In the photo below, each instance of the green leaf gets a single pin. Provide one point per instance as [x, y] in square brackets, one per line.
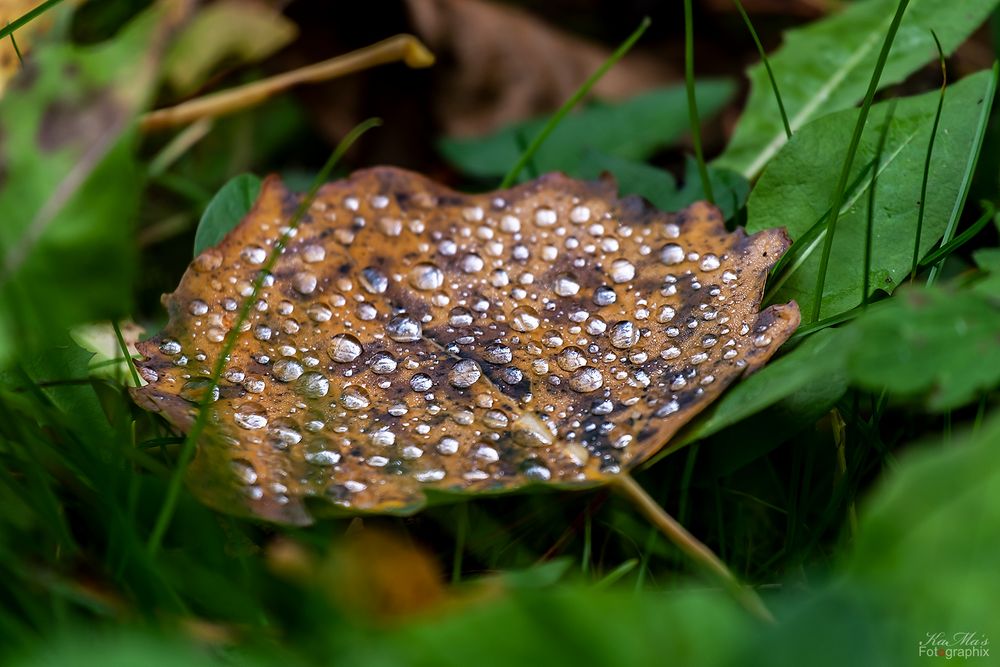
[229, 205]
[659, 186]
[826, 66]
[69, 184]
[633, 129]
[929, 340]
[929, 539]
[819, 360]
[796, 189]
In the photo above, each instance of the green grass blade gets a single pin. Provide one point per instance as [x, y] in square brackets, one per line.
[27, 17]
[706, 184]
[767, 67]
[123, 346]
[927, 159]
[852, 149]
[568, 105]
[187, 451]
[963, 238]
[870, 222]
[956, 213]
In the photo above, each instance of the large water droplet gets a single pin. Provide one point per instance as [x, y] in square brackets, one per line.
[286, 370]
[671, 254]
[374, 281]
[586, 380]
[464, 374]
[571, 358]
[314, 385]
[622, 271]
[344, 348]
[404, 329]
[498, 353]
[426, 276]
[251, 416]
[566, 285]
[355, 397]
[525, 318]
[624, 334]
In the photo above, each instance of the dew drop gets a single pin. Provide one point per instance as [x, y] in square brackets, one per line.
[355, 397]
[251, 416]
[404, 329]
[624, 334]
[426, 276]
[344, 348]
[571, 358]
[586, 380]
[671, 254]
[464, 374]
[286, 370]
[525, 318]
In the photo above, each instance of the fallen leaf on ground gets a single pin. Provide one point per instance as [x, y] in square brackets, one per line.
[414, 339]
[501, 64]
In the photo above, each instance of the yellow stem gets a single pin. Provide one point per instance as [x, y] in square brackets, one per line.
[692, 547]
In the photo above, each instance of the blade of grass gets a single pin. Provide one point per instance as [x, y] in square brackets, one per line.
[870, 220]
[767, 67]
[568, 105]
[706, 184]
[984, 117]
[17, 51]
[852, 149]
[187, 451]
[123, 346]
[927, 158]
[28, 17]
[963, 238]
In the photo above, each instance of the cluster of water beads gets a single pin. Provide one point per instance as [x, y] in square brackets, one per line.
[596, 346]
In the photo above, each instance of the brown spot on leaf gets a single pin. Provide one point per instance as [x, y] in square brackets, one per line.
[414, 338]
[81, 122]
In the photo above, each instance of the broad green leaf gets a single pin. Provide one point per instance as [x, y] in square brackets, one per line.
[69, 184]
[820, 360]
[929, 536]
[796, 189]
[826, 66]
[230, 204]
[632, 129]
[659, 186]
[929, 341]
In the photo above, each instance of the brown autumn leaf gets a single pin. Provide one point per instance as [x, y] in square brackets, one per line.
[413, 339]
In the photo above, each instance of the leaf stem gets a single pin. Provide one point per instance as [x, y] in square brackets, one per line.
[693, 117]
[187, 451]
[407, 48]
[852, 149]
[568, 105]
[691, 546]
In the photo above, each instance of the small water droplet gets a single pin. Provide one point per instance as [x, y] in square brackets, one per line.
[671, 254]
[251, 416]
[624, 334]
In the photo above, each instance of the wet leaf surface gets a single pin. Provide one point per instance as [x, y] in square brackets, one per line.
[413, 339]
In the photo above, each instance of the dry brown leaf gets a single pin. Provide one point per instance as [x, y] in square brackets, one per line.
[413, 339]
[500, 64]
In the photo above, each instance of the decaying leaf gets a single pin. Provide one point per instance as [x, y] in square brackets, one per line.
[414, 339]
